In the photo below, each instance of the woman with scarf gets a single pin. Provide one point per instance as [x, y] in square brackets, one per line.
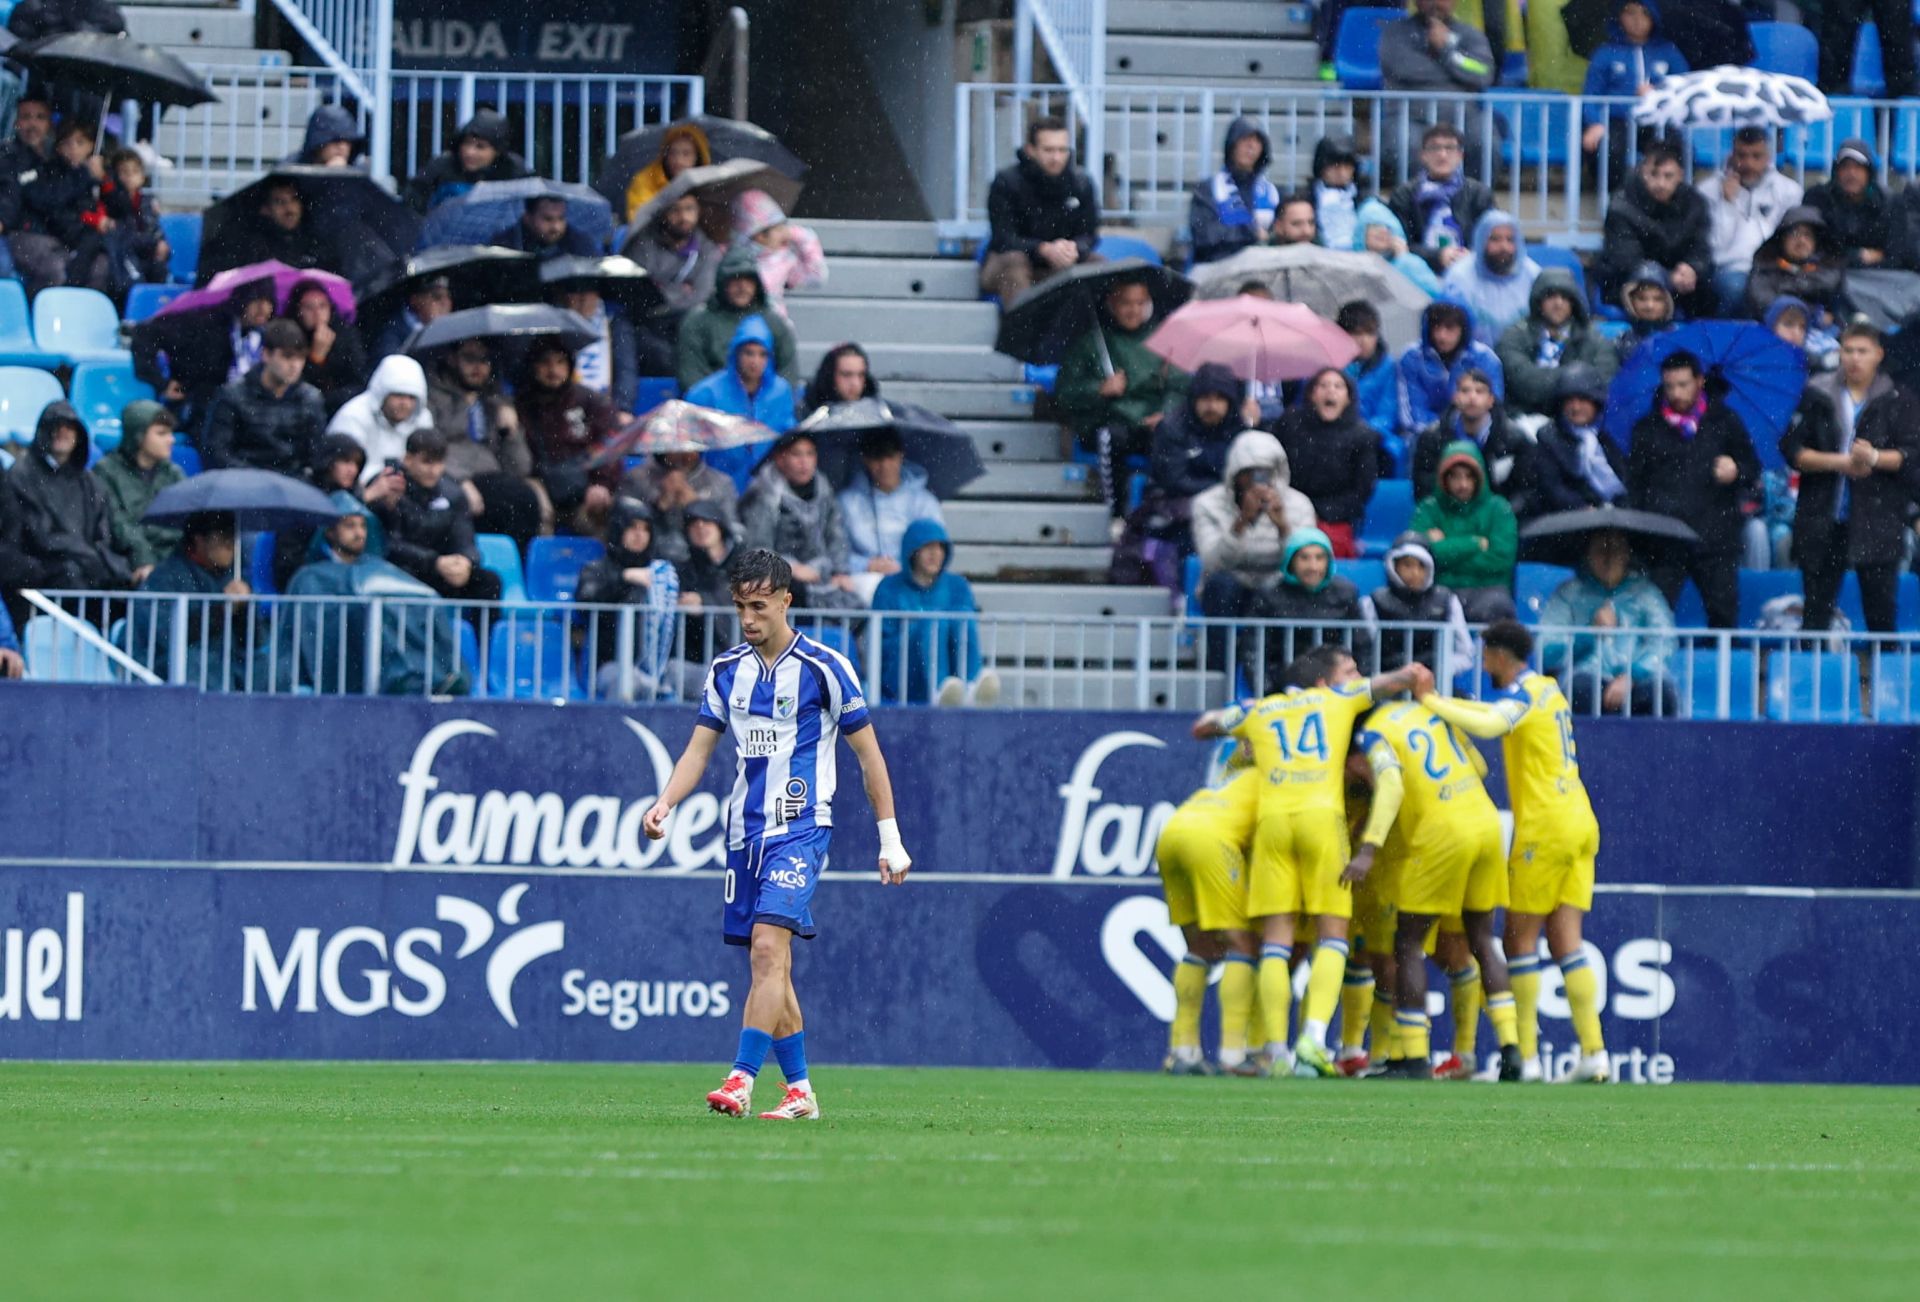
[1335, 458]
[1235, 207]
[1573, 464]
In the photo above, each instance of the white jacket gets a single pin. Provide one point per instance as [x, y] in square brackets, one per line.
[1251, 552]
[1740, 227]
[362, 420]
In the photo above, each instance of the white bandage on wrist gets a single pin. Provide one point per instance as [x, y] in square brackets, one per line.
[890, 848]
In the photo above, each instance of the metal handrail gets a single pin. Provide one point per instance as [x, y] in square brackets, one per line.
[729, 45]
[89, 636]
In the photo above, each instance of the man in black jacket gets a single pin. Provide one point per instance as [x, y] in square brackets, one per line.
[544, 232]
[1573, 463]
[268, 419]
[1851, 440]
[1657, 217]
[57, 522]
[1477, 417]
[1693, 459]
[429, 533]
[1043, 212]
[1858, 212]
[187, 357]
[281, 230]
[1439, 205]
[479, 153]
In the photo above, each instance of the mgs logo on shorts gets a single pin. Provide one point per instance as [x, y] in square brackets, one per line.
[773, 882]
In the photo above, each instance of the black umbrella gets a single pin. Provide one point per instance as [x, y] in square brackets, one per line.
[1561, 538]
[1044, 322]
[616, 279]
[727, 140]
[715, 186]
[368, 225]
[932, 442]
[503, 321]
[115, 68]
[260, 499]
[474, 273]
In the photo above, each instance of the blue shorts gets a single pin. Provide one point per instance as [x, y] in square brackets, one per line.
[773, 882]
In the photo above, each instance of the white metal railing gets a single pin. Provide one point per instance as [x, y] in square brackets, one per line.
[354, 39]
[1152, 143]
[532, 650]
[1074, 33]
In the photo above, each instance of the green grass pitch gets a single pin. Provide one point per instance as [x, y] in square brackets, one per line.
[336, 1181]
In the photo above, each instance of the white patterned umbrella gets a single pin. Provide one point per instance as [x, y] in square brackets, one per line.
[1730, 96]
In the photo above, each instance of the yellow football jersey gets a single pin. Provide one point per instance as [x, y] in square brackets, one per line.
[1439, 770]
[1225, 812]
[1299, 742]
[1543, 765]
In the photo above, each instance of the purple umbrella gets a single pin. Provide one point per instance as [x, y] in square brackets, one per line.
[217, 292]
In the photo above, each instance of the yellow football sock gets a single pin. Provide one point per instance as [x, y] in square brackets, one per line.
[1525, 973]
[1189, 996]
[1468, 995]
[1414, 1035]
[1386, 1043]
[1356, 1006]
[1323, 986]
[1276, 990]
[1236, 1003]
[1500, 1013]
[1583, 998]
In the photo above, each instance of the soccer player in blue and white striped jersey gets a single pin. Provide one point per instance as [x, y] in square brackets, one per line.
[785, 699]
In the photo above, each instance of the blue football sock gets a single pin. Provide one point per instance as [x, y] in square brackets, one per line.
[753, 1050]
[792, 1053]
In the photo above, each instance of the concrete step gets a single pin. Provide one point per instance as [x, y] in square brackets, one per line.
[1244, 18]
[1221, 59]
[925, 362]
[1085, 641]
[1014, 440]
[1058, 524]
[1224, 85]
[958, 401]
[853, 276]
[186, 31]
[1189, 690]
[1092, 600]
[831, 320]
[1058, 481]
[876, 239]
[1015, 561]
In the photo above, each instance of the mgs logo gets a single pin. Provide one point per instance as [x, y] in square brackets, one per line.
[404, 974]
[793, 878]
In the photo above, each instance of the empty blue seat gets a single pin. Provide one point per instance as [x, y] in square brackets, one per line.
[1388, 514]
[470, 653]
[24, 394]
[554, 565]
[186, 456]
[651, 391]
[529, 659]
[101, 390]
[1364, 574]
[1552, 255]
[260, 564]
[1533, 583]
[1758, 587]
[501, 554]
[1689, 611]
[144, 300]
[1869, 64]
[1896, 687]
[1709, 146]
[1813, 145]
[1785, 47]
[1536, 130]
[6, 461]
[1906, 609]
[1812, 687]
[182, 230]
[101, 443]
[1356, 46]
[1115, 247]
[1700, 681]
[17, 347]
[77, 325]
[56, 654]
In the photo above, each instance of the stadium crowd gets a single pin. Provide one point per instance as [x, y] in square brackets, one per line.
[303, 357]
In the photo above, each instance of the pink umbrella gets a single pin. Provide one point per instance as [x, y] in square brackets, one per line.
[216, 292]
[676, 426]
[1255, 338]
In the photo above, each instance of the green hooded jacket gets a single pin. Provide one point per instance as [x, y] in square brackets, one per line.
[1151, 382]
[708, 330]
[130, 490]
[1458, 554]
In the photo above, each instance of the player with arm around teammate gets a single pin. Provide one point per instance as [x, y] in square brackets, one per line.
[786, 700]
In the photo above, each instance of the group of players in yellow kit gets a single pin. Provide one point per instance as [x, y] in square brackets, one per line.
[1254, 859]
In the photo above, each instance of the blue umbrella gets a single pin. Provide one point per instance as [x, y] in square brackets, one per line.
[492, 206]
[1755, 372]
[260, 499]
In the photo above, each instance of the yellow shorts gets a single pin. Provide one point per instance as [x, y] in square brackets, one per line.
[1204, 878]
[1549, 871]
[1373, 911]
[1297, 861]
[1454, 865]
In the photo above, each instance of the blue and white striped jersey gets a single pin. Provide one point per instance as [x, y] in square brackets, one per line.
[784, 720]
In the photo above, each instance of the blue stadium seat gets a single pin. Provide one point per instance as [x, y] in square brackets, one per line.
[1709, 146]
[56, 654]
[186, 456]
[260, 564]
[651, 391]
[501, 554]
[1115, 247]
[554, 565]
[1702, 684]
[1758, 587]
[182, 230]
[1869, 63]
[77, 325]
[470, 654]
[1813, 145]
[1190, 584]
[6, 463]
[1533, 583]
[24, 394]
[1552, 255]
[1388, 514]
[1356, 47]
[144, 300]
[1513, 69]
[1535, 131]
[1689, 611]
[1849, 603]
[529, 659]
[1813, 687]
[1785, 47]
[1365, 575]
[16, 330]
[101, 390]
[1906, 138]
[1906, 610]
[101, 443]
[1896, 687]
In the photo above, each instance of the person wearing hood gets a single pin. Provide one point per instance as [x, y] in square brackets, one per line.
[337, 463]
[682, 146]
[1376, 380]
[610, 364]
[1241, 524]
[1496, 284]
[1043, 215]
[1658, 218]
[1853, 439]
[682, 261]
[931, 660]
[1790, 321]
[1635, 57]
[672, 484]
[132, 475]
[631, 573]
[1799, 260]
[479, 153]
[708, 543]
[1334, 455]
[487, 451]
[186, 357]
[1412, 595]
[563, 423]
[1690, 457]
[1649, 304]
[1430, 370]
[705, 343]
[427, 301]
[886, 495]
[429, 532]
[333, 139]
[1556, 332]
[281, 229]
[792, 510]
[1840, 23]
[220, 634]
[1308, 594]
[1472, 534]
[1440, 205]
[1574, 463]
[1858, 213]
[1190, 445]
[788, 254]
[749, 387]
[1336, 196]
[1624, 669]
[270, 419]
[845, 374]
[544, 231]
[1235, 208]
[393, 406]
[58, 520]
[1744, 206]
[1378, 231]
[336, 357]
[1112, 389]
[1475, 416]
